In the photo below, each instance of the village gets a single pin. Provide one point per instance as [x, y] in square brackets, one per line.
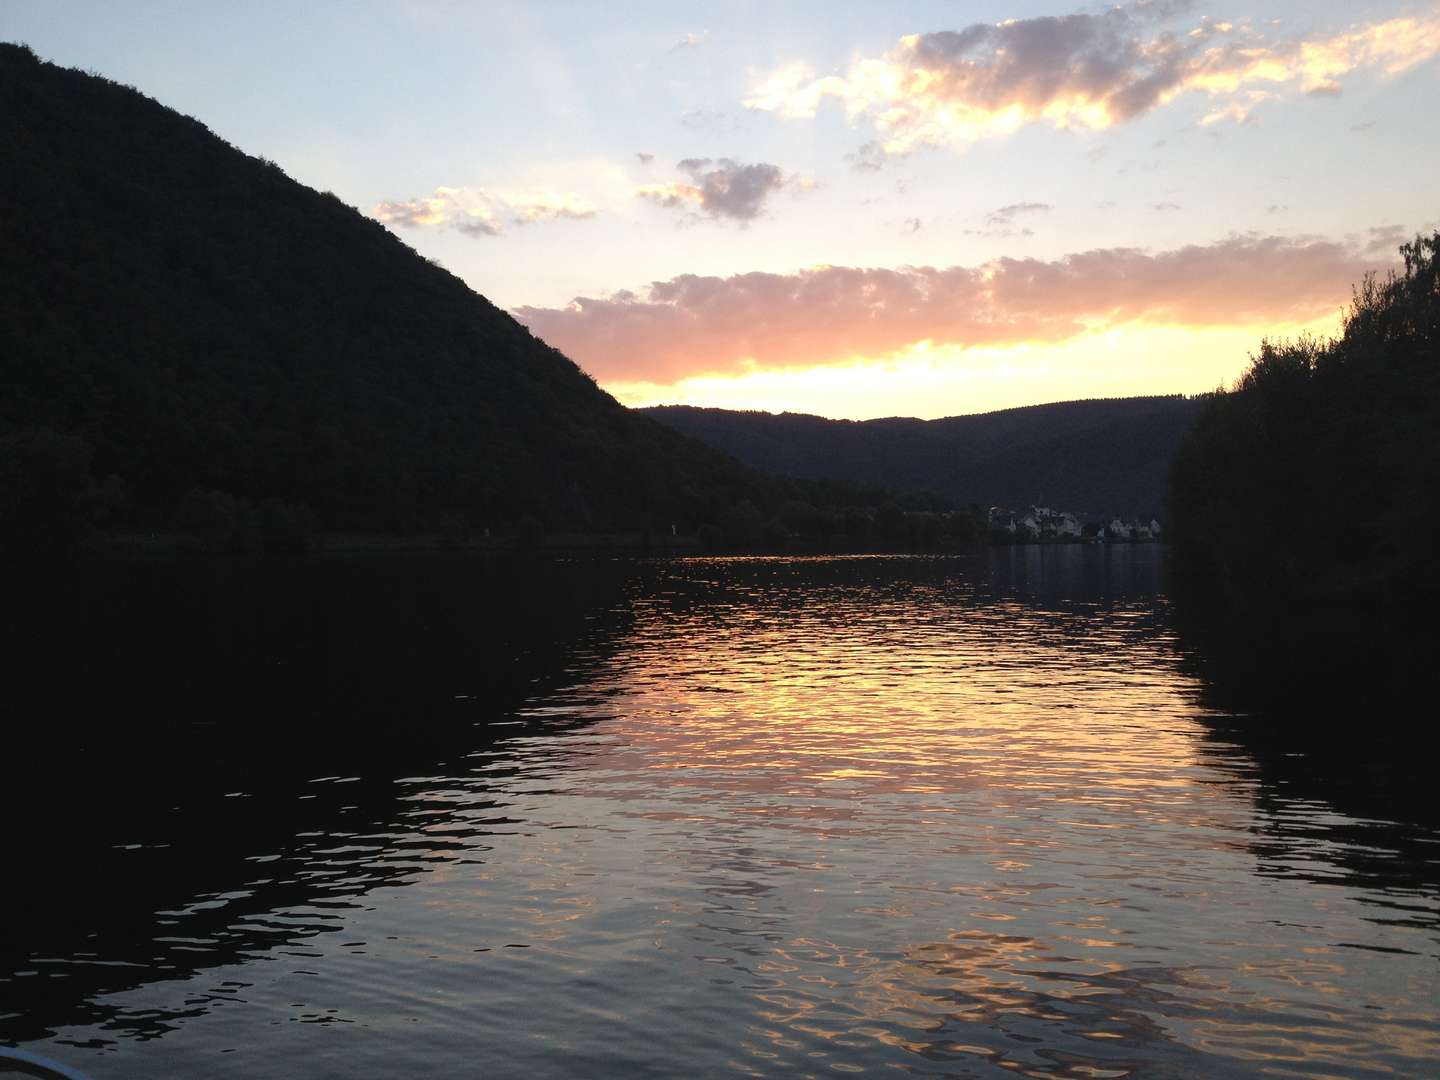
[1040, 524]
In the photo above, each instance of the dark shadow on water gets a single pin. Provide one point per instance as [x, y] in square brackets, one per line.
[194, 745]
[1344, 794]
[1332, 812]
[148, 667]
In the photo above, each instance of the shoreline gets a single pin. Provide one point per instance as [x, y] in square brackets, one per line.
[612, 543]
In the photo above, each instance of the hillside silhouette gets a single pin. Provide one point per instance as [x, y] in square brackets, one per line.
[1303, 509]
[1101, 458]
[190, 337]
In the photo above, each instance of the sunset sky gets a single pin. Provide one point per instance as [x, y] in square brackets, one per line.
[854, 210]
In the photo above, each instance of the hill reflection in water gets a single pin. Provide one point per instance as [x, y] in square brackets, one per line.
[769, 816]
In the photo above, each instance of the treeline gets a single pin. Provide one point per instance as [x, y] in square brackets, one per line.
[1100, 459]
[192, 342]
[1303, 512]
[833, 519]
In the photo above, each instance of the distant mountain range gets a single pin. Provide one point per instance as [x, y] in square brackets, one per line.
[1098, 458]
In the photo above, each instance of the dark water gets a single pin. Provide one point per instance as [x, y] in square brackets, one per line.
[946, 817]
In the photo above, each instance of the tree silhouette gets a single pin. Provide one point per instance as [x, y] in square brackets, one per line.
[1303, 513]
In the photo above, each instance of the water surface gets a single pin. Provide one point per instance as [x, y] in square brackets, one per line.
[770, 817]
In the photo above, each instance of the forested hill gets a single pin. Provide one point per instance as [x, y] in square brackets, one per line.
[1305, 520]
[183, 325]
[1099, 458]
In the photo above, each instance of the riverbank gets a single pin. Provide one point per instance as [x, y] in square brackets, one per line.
[154, 543]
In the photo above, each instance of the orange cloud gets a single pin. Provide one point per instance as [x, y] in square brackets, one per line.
[692, 325]
[952, 88]
[477, 212]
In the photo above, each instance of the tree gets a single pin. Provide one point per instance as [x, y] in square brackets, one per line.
[1302, 509]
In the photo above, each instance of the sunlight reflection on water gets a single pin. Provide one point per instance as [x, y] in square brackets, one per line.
[795, 817]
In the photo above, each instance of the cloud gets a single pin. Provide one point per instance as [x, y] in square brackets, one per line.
[870, 157]
[690, 41]
[1000, 234]
[691, 325]
[477, 212]
[545, 206]
[644, 158]
[1385, 239]
[1006, 215]
[1001, 224]
[952, 88]
[719, 189]
[1162, 207]
[1237, 112]
[476, 225]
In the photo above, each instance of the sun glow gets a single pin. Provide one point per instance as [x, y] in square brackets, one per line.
[929, 380]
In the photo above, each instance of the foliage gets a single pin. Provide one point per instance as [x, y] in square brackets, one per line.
[1303, 513]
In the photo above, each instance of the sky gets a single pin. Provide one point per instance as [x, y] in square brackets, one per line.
[854, 210]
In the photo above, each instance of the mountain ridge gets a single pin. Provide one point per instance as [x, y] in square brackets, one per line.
[1101, 457]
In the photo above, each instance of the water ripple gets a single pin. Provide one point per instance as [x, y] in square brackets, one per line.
[798, 817]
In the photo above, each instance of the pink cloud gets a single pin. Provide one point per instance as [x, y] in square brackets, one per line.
[692, 324]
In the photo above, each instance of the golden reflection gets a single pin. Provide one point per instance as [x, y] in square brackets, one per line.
[1023, 770]
[812, 701]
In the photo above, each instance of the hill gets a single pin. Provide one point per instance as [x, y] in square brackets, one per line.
[186, 332]
[1304, 518]
[1098, 458]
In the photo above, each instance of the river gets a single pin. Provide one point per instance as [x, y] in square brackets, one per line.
[955, 816]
